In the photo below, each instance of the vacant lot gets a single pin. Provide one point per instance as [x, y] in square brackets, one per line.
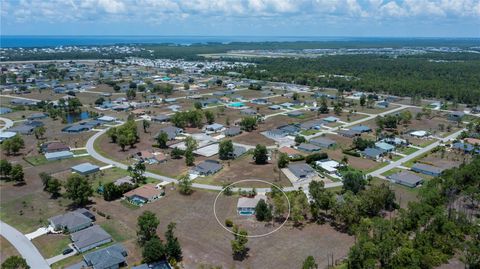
[245, 168]
[51, 245]
[204, 241]
[6, 249]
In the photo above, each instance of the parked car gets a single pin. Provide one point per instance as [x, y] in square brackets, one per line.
[67, 251]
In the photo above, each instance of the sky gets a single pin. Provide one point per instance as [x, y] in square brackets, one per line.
[353, 18]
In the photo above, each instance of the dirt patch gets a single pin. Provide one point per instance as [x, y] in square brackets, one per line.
[6, 249]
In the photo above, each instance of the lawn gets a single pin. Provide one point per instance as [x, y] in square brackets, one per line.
[80, 151]
[51, 245]
[117, 230]
[6, 249]
[392, 171]
[408, 150]
[309, 132]
[36, 160]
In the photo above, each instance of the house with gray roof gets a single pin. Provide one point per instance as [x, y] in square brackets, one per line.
[214, 127]
[308, 147]
[312, 125]
[274, 107]
[248, 111]
[427, 169]
[384, 147]
[323, 142]
[372, 153]
[89, 238]
[233, 131]
[161, 118]
[349, 133]
[207, 167]
[237, 151]
[361, 128]
[330, 119]
[70, 221]
[77, 128]
[296, 113]
[171, 132]
[23, 129]
[85, 168]
[58, 155]
[111, 257]
[301, 170]
[157, 265]
[406, 178]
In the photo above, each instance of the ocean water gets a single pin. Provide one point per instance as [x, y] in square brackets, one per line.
[12, 41]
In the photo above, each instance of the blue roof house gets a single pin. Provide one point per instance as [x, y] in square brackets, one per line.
[361, 129]
[384, 147]
[372, 153]
[85, 168]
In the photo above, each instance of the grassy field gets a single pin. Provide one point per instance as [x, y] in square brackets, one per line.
[403, 194]
[51, 245]
[36, 160]
[392, 171]
[6, 249]
[117, 230]
[408, 150]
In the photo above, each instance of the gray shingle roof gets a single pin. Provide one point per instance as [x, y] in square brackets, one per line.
[70, 220]
[322, 142]
[89, 236]
[106, 257]
[406, 178]
[208, 167]
[301, 170]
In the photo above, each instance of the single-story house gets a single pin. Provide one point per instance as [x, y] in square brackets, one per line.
[5, 110]
[287, 105]
[274, 107]
[238, 151]
[329, 166]
[77, 128]
[161, 118]
[301, 170]
[456, 116]
[71, 221]
[6, 135]
[23, 129]
[150, 157]
[144, 194]
[208, 151]
[111, 257]
[395, 141]
[207, 167]
[260, 101]
[215, 127]
[89, 238]
[291, 152]
[472, 141]
[290, 129]
[323, 142]
[349, 133]
[54, 146]
[23, 102]
[383, 104]
[171, 132]
[427, 169]
[312, 125]
[58, 155]
[465, 147]
[419, 133]
[246, 205]
[85, 168]
[372, 153]
[120, 107]
[34, 123]
[295, 113]
[361, 128]
[37, 116]
[308, 147]
[233, 131]
[384, 147]
[107, 119]
[406, 178]
[248, 111]
[330, 119]
[124, 180]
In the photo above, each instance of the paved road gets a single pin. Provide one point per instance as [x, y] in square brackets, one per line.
[61, 256]
[8, 123]
[24, 246]
[378, 172]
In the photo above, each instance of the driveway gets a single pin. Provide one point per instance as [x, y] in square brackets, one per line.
[26, 248]
[61, 256]
[8, 123]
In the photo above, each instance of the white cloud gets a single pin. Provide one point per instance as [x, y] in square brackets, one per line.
[288, 10]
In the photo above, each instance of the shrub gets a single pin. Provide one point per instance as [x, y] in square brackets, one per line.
[228, 223]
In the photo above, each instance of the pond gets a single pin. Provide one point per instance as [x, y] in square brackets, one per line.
[76, 116]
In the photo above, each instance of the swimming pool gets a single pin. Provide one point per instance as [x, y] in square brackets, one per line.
[236, 104]
[245, 213]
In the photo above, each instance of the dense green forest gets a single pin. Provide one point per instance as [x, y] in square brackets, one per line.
[442, 224]
[452, 76]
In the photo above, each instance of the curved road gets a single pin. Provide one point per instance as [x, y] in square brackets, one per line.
[24, 246]
[91, 150]
[8, 124]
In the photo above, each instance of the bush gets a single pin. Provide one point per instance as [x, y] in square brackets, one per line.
[228, 223]
[316, 157]
[351, 153]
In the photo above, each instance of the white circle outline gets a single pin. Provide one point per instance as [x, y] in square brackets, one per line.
[250, 180]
